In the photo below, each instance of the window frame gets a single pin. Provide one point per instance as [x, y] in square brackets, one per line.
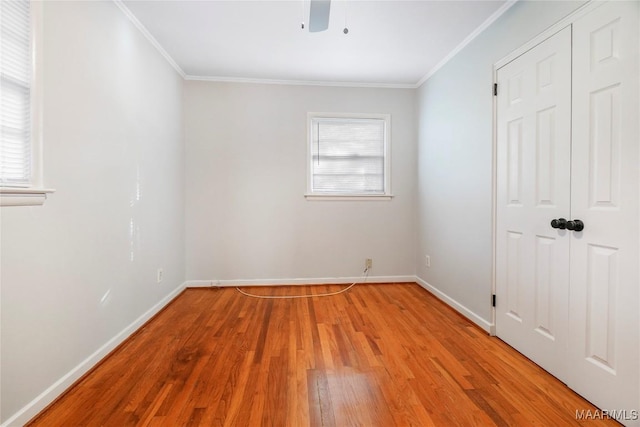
[318, 195]
[34, 193]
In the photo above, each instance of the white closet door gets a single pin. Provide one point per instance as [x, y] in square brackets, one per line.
[604, 324]
[533, 188]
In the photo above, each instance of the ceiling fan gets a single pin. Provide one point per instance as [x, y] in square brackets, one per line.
[319, 15]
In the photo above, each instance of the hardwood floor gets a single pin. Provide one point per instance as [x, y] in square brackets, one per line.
[377, 355]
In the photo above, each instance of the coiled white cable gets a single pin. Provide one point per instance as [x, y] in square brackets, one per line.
[365, 274]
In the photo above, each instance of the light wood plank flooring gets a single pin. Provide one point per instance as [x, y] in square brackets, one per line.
[377, 355]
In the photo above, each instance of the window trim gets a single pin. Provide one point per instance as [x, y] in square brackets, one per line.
[23, 196]
[35, 193]
[315, 195]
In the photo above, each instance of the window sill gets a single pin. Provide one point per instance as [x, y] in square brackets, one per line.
[14, 196]
[348, 197]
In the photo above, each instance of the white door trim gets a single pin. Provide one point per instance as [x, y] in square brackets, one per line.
[549, 32]
[560, 25]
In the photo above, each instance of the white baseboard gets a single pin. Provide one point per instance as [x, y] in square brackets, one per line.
[301, 281]
[482, 323]
[473, 317]
[49, 395]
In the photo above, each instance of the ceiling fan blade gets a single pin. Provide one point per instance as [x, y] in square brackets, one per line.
[319, 15]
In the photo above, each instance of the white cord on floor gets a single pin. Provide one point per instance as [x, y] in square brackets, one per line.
[365, 274]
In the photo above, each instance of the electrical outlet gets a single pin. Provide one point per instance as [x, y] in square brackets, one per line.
[160, 275]
[427, 261]
[368, 263]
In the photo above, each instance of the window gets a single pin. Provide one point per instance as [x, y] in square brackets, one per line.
[348, 155]
[20, 178]
[15, 75]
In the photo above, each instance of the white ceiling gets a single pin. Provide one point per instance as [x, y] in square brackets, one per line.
[390, 42]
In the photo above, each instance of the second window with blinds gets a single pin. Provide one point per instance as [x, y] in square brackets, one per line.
[348, 156]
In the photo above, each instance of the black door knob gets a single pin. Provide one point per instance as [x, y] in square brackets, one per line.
[575, 225]
[560, 223]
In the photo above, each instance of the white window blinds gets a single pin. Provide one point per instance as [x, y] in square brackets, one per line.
[348, 156]
[15, 92]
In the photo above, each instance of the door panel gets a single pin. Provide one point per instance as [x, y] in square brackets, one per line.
[604, 176]
[533, 185]
[514, 166]
[601, 305]
[604, 322]
[545, 261]
[545, 150]
[514, 274]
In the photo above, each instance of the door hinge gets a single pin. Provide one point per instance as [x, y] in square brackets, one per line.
[493, 300]
[495, 89]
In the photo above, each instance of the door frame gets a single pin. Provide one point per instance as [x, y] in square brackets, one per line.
[549, 32]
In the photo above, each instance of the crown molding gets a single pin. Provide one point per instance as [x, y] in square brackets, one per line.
[490, 20]
[149, 37]
[222, 79]
[299, 82]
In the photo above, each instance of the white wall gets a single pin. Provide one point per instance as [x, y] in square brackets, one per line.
[247, 217]
[455, 158]
[80, 269]
[76, 271]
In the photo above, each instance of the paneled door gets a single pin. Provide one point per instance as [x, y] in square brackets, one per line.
[533, 187]
[603, 311]
[567, 206]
